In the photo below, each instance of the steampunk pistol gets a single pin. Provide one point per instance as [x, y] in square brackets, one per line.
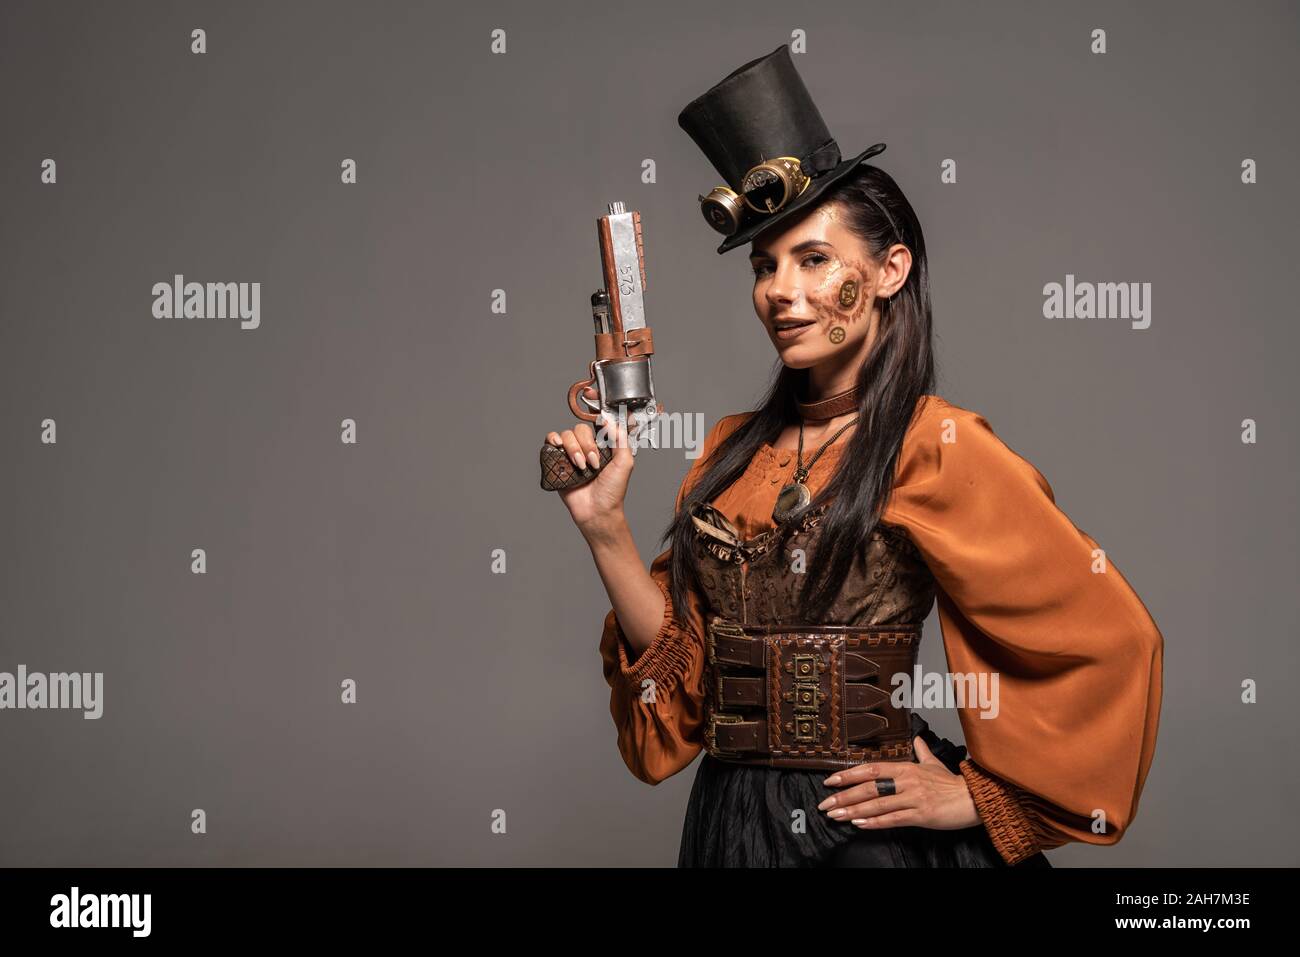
[620, 374]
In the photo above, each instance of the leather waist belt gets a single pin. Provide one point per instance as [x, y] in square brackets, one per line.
[807, 696]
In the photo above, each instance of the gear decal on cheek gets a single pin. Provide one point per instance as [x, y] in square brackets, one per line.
[837, 301]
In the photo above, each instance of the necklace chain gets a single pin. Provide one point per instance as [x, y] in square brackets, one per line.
[795, 498]
[801, 471]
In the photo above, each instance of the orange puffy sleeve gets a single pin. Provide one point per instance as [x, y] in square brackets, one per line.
[1026, 595]
[657, 698]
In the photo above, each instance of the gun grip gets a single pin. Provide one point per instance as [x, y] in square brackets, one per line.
[559, 472]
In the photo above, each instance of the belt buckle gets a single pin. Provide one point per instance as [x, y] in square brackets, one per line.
[720, 626]
[711, 734]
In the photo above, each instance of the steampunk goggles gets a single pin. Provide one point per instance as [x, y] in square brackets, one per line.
[766, 189]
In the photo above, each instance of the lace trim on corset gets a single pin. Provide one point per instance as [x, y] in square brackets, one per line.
[722, 539]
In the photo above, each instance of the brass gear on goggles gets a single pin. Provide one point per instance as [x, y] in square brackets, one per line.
[766, 189]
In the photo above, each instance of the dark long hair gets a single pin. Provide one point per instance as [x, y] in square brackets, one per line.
[893, 377]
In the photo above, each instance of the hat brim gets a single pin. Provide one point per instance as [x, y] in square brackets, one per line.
[805, 199]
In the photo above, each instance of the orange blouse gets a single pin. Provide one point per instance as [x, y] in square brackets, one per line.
[1021, 591]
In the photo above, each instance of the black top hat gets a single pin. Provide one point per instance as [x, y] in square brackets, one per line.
[760, 112]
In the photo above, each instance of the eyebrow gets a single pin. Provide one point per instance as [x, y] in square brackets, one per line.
[794, 250]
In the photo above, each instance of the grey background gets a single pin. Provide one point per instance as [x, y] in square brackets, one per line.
[480, 691]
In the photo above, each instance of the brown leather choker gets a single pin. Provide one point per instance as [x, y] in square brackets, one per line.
[841, 404]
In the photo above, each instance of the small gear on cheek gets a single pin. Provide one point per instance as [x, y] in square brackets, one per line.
[836, 335]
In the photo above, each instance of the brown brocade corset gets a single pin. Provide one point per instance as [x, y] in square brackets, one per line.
[786, 693]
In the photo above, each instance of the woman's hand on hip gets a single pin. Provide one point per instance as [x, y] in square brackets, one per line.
[925, 795]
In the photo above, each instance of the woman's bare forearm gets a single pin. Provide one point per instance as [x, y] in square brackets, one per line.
[636, 599]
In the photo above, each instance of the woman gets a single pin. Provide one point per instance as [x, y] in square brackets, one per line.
[821, 528]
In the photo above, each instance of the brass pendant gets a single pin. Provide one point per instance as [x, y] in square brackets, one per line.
[794, 498]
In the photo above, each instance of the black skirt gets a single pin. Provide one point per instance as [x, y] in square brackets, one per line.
[743, 816]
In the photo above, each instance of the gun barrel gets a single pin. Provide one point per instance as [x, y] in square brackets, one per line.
[622, 258]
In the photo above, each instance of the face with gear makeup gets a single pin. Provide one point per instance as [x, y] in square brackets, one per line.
[819, 294]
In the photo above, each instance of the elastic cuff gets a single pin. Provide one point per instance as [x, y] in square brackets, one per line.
[665, 660]
[998, 805]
